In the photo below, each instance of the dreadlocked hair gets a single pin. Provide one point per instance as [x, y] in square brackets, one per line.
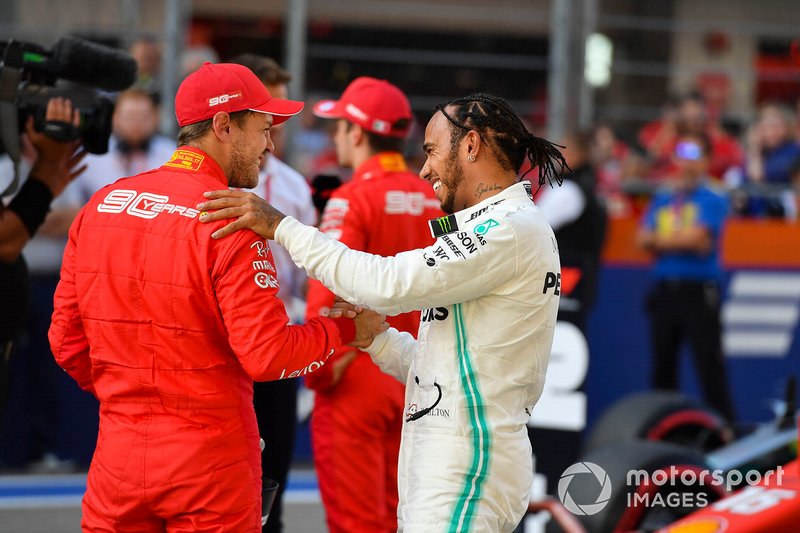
[503, 131]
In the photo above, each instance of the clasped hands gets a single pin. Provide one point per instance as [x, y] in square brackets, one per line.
[368, 323]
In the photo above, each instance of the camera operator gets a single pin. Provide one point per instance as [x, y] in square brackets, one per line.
[54, 166]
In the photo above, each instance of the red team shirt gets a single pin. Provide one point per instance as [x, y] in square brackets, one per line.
[356, 424]
[383, 210]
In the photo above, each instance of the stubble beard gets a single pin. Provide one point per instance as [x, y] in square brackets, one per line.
[454, 178]
[243, 174]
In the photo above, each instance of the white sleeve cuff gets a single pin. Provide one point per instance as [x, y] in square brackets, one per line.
[377, 343]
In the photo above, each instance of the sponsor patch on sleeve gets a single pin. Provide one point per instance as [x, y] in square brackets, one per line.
[484, 227]
[528, 189]
[265, 280]
[443, 225]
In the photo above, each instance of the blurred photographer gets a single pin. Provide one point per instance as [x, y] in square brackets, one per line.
[51, 113]
[134, 146]
[53, 165]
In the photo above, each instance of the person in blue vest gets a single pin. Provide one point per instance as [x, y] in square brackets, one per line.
[682, 228]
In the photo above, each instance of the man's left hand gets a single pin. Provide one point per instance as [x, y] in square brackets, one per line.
[249, 210]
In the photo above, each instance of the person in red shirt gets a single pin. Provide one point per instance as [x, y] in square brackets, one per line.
[168, 327]
[384, 209]
[688, 117]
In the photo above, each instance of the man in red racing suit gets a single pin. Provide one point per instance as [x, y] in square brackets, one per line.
[384, 209]
[168, 327]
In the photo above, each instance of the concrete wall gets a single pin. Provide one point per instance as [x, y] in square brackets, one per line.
[44, 21]
[514, 16]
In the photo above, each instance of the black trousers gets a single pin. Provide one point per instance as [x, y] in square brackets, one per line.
[14, 296]
[689, 311]
[31, 422]
[275, 403]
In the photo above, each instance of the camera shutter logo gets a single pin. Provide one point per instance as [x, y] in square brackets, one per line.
[581, 470]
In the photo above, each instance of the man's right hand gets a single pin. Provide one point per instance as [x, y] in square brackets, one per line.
[57, 163]
[247, 209]
[368, 323]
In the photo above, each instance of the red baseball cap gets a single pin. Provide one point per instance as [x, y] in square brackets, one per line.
[227, 87]
[373, 104]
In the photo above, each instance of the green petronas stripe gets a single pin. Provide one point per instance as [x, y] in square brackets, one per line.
[470, 495]
[487, 438]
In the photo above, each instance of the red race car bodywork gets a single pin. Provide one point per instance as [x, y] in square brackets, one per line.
[773, 505]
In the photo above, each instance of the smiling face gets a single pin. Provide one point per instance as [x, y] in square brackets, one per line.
[251, 141]
[442, 168]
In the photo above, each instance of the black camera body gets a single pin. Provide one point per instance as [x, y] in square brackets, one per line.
[95, 111]
[30, 75]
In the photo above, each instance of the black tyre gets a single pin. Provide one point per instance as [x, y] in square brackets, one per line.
[610, 498]
[661, 416]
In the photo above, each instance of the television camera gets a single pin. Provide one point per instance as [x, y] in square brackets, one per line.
[30, 75]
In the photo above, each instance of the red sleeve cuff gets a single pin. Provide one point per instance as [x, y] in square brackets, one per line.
[347, 329]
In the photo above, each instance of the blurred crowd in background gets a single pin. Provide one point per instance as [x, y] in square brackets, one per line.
[755, 162]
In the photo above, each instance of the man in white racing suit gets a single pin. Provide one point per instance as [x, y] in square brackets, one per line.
[488, 289]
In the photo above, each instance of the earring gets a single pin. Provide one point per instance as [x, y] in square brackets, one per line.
[471, 158]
